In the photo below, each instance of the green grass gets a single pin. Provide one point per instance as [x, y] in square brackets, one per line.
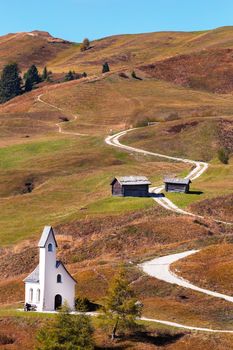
[119, 204]
[183, 200]
[70, 174]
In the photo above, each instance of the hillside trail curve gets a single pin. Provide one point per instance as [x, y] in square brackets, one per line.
[198, 169]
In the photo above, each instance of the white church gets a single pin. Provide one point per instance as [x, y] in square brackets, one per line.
[50, 285]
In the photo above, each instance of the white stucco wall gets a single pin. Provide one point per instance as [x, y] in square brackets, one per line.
[48, 285]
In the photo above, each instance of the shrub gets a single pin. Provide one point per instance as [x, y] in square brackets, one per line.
[85, 45]
[85, 305]
[223, 155]
[69, 76]
[105, 68]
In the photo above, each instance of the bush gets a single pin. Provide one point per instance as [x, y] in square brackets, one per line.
[223, 155]
[105, 68]
[85, 305]
[85, 45]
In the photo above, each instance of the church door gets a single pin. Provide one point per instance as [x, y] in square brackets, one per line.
[58, 301]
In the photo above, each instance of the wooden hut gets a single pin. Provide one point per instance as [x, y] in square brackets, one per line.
[130, 186]
[177, 185]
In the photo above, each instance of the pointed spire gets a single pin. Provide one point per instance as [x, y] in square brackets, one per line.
[45, 235]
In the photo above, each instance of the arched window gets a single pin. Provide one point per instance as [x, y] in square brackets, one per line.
[38, 295]
[50, 247]
[59, 278]
[31, 295]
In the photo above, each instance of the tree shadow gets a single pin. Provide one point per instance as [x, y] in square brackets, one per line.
[195, 192]
[107, 347]
[159, 339]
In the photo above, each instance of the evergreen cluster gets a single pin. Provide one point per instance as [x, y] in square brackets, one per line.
[10, 82]
[71, 75]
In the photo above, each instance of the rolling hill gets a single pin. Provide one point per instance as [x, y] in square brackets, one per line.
[69, 174]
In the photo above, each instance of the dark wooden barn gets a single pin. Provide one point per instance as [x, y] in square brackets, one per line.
[130, 186]
[177, 185]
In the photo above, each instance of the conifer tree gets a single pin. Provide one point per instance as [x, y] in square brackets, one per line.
[66, 332]
[45, 74]
[121, 308]
[33, 75]
[28, 85]
[10, 83]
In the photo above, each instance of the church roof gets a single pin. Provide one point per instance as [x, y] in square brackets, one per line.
[34, 276]
[60, 263]
[45, 236]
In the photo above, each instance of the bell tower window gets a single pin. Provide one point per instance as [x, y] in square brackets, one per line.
[50, 247]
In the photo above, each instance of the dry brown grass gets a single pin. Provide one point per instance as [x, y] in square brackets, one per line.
[210, 268]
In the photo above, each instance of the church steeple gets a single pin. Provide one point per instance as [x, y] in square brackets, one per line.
[47, 245]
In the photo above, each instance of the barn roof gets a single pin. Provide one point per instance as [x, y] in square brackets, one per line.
[132, 180]
[178, 181]
[45, 235]
[34, 276]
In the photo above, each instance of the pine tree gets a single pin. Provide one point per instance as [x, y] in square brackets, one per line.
[28, 85]
[105, 68]
[121, 308]
[45, 74]
[32, 74]
[10, 83]
[66, 332]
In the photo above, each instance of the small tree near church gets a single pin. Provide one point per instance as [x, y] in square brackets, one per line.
[121, 308]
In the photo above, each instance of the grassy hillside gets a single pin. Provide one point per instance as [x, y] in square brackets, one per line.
[211, 268]
[127, 51]
[69, 175]
[115, 103]
[30, 48]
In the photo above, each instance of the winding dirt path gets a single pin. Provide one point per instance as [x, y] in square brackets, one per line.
[160, 267]
[198, 169]
[59, 125]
